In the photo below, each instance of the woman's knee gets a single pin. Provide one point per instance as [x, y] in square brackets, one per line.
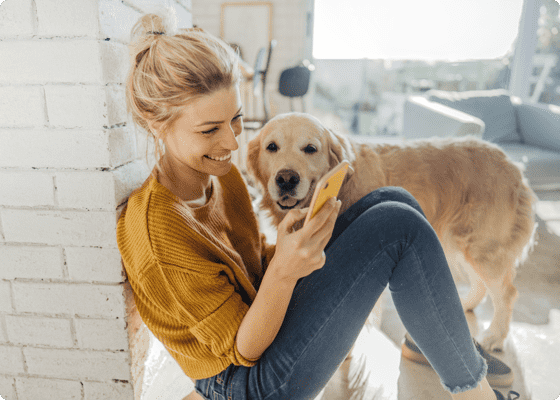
[396, 194]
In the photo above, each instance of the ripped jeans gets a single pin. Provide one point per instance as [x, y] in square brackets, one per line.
[383, 239]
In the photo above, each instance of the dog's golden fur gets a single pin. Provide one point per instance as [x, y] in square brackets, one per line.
[474, 196]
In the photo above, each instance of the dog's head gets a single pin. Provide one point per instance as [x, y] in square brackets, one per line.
[289, 155]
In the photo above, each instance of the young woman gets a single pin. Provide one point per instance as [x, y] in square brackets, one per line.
[244, 319]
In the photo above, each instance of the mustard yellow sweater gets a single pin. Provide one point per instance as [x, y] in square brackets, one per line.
[194, 271]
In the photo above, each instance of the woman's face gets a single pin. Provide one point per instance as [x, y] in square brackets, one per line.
[200, 142]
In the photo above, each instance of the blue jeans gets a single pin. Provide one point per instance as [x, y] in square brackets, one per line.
[382, 239]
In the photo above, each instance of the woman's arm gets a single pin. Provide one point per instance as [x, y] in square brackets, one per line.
[297, 255]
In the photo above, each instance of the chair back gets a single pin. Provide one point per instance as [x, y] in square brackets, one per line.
[294, 82]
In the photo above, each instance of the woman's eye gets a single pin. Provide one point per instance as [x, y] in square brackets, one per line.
[272, 147]
[310, 149]
[210, 131]
[238, 117]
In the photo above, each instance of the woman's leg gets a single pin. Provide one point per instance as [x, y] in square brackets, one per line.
[382, 239]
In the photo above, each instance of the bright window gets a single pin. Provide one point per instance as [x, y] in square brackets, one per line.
[413, 29]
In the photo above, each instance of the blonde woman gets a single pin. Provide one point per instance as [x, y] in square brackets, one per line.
[244, 319]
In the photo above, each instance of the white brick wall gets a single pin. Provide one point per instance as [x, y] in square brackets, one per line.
[40, 388]
[17, 18]
[68, 161]
[77, 364]
[94, 264]
[30, 189]
[31, 262]
[67, 18]
[22, 106]
[54, 332]
[7, 387]
[106, 391]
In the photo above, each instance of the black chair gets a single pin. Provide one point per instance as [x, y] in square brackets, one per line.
[262, 66]
[294, 82]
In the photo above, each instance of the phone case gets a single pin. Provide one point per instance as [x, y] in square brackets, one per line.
[327, 187]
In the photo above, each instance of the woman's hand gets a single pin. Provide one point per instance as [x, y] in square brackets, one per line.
[299, 253]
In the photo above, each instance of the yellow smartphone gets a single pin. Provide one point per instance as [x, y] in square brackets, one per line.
[327, 187]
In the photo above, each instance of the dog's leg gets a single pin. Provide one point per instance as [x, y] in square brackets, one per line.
[503, 295]
[477, 291]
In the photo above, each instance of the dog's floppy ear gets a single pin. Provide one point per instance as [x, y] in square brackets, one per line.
[253, 155]
[339, 149]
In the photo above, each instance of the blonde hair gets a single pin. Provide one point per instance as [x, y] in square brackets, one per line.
[168, 69]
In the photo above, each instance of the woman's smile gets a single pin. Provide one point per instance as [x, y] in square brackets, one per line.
[222, 158]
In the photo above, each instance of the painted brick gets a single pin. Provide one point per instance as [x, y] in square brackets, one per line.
[91, 228]
[7, 388]
[48, 389]
[17, 18]
[35, 262]
[65, 148]
[41, 61]
[116, 20]
[114, 60]
[67, 18]
[85, 300]
[22, 106]
[3, 334]
[86, 190]
[27, 189]
[107, 390]
[129, 177]
[5, 297]
[77, 364]
[85, 106]
[11, 360]
[116, 104]
[122, 146]
[53, 148]
[101, 334]
[93, 264]
[54, 332]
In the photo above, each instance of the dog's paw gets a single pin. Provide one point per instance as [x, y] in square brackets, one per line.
[492, 341]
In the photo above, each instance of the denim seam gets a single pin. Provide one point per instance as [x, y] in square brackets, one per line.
[358, 278]
[427, 286]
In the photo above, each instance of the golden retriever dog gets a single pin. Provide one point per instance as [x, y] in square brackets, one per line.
[475, 198]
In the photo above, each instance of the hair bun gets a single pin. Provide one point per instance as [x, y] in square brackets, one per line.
[161, 22]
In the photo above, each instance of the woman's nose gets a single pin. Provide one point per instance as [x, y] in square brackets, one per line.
[231, 135]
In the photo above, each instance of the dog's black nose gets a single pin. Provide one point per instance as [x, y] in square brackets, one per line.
[287, 179]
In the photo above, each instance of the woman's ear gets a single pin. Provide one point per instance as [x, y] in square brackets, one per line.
[156, 129]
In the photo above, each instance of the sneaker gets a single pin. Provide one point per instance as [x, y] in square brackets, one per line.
[511, 393]
[499, 374]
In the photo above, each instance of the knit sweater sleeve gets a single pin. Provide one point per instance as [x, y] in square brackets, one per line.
[207, 304]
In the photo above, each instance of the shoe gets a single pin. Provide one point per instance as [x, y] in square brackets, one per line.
[499, 374]
[511, 393]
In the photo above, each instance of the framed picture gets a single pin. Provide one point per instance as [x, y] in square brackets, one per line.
[247, 25]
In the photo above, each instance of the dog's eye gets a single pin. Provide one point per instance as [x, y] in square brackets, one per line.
[272, 147]
[310, 149]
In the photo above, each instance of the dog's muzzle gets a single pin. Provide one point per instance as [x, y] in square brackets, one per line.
[287, 180]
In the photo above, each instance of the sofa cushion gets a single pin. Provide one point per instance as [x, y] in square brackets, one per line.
[542, 166]
[494, 107]
[539, 125]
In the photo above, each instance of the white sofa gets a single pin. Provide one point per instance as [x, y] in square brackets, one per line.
[529, 133]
